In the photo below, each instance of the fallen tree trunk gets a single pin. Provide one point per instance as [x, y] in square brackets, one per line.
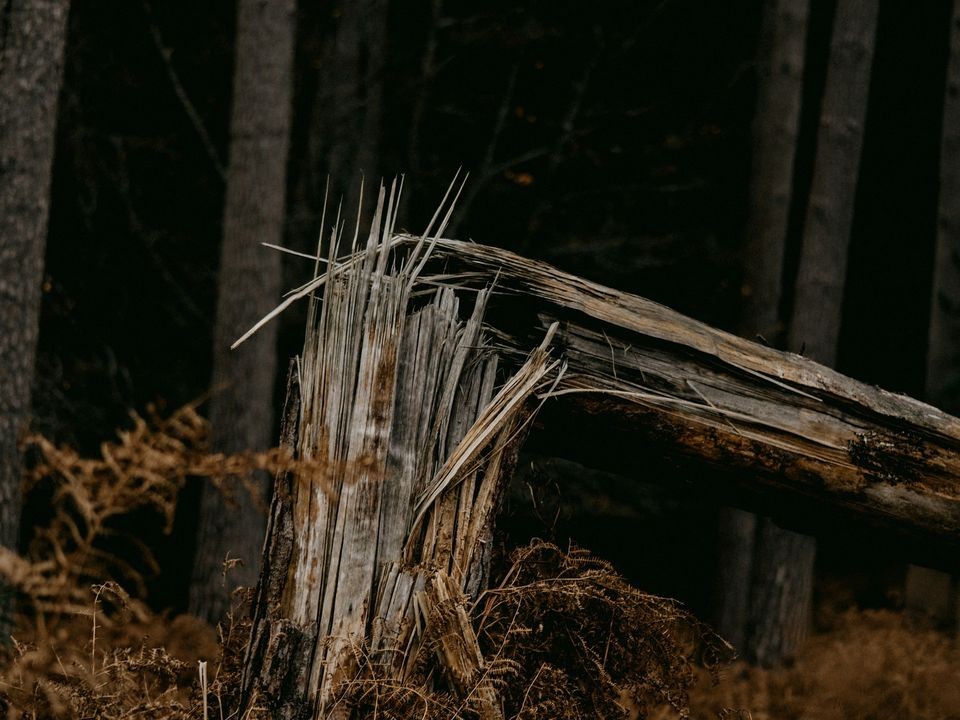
[794, 424]
[422, 366]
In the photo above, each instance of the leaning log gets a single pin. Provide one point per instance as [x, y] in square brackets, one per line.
[797, 426]
[423, 362]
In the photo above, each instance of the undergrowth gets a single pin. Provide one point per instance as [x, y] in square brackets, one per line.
[562, 635]
[872, 664]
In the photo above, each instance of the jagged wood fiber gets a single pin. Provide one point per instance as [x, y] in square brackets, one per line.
[397, 397]
[400, 395]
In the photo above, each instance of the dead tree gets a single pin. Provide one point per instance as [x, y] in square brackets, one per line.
[776, 126]
[421, 365]
[31, 71]
[249, 280]
[927, 590]
[399, 407]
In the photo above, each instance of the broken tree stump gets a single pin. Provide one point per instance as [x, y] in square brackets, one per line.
[407, 430]
[423, 362]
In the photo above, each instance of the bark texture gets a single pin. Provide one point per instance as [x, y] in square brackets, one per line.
[373, 552]
[782, 581]
[818, 300]
[249, 279]
[781, 591]
[374, 548]
[780, 68]
[776, 126]
[930, 591]
[31, 69]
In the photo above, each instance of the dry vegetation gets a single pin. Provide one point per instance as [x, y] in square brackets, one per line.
[566, 636]
[872, 664]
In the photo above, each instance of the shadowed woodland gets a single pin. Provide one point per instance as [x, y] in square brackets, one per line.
[568, 399]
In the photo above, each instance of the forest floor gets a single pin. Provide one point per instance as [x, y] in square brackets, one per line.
[84, 647]
[872, 664]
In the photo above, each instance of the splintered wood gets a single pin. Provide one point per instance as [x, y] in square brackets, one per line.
[400, 400]
[423, 361]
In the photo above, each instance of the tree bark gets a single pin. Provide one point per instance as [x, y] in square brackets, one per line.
[345, 114]
[374, 548]
[782, 582]
[243, 382]
[372, 555]
[818, 299]
[930, 591]
[780, 68]
[31, 71]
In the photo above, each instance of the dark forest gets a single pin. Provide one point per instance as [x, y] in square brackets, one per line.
[782, 172]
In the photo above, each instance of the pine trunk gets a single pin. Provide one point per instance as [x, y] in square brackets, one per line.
[242, 388]
[782, 582]
[780, 68]
[930, 591]
[31, 71]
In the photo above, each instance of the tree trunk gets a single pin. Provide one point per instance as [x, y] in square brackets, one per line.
[343, 138]
[818, 299]
[780, 67]
[783, 566]
[243, 382]
[381, 535]
[353, 113]
[372, 554]
[31, 71]
[929, 591]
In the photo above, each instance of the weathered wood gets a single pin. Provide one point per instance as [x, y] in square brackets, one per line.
[797, 426]
[406, 435]
[445, 616]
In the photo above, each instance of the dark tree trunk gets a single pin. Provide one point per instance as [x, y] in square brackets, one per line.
[775, 129]
[783, 561]
[355, 82]
[343, 142]
[930, 591]
[31, 70]
[818, 300]
[780, 594]
[780, 67]
[736, 541]
[243, 380]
